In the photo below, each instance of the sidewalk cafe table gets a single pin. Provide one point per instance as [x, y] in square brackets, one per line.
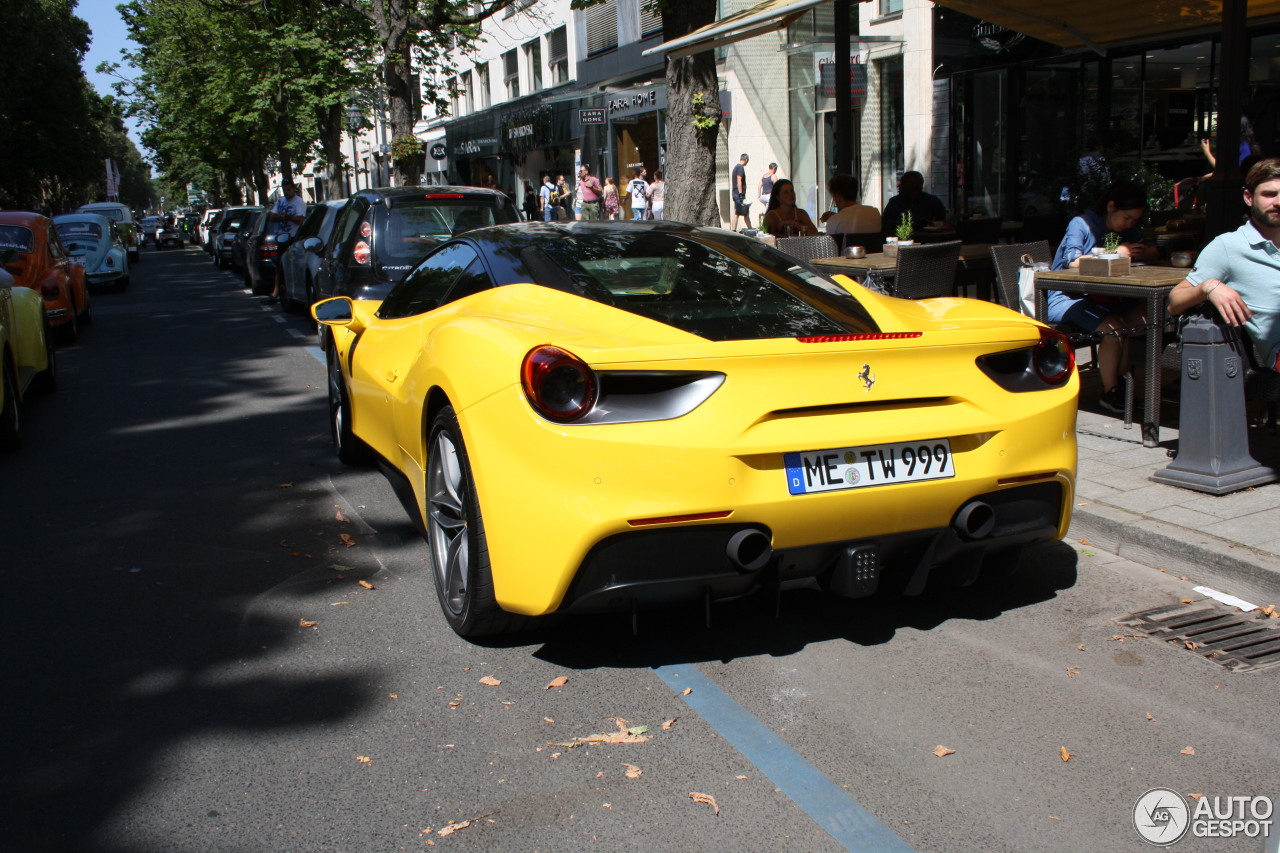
[877, 271]
[1150, 283]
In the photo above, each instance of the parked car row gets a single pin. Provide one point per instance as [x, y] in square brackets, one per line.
[35, 257]
[27, 359]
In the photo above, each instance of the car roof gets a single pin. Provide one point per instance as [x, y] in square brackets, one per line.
[22, 217]
[82, 217]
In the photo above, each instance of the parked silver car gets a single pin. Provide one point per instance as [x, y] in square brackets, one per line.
[301, 260]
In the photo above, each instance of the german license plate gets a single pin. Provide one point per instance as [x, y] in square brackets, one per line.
[871, 465]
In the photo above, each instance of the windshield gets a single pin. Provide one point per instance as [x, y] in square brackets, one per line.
[411, 227]
[113, 212]
[721, 290]
[79, 232]
[17, 237]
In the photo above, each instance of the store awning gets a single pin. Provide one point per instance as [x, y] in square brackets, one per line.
[757, 20]
[1095, 24]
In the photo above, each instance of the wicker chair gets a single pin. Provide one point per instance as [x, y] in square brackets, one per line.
[927, 271]
[808, 248]
[1007, 259]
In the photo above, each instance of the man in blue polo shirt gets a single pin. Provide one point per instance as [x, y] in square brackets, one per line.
[1239, 271]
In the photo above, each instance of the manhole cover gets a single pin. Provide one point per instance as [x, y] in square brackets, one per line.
[1242, 642]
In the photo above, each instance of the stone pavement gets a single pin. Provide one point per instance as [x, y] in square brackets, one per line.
[1230, 543]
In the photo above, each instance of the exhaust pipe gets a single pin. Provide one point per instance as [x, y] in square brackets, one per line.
[749, 550]
[975, 520]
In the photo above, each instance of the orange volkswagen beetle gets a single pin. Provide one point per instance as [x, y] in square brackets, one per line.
[35, 257]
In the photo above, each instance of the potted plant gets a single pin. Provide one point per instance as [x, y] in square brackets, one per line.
[904, 229]
[1110, 246]
[1106, 259]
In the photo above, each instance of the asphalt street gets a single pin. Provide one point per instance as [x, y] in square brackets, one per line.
[221, 639]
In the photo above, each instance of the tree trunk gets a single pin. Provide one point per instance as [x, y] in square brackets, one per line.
[691, 151]
[399, 83]
[329, 122]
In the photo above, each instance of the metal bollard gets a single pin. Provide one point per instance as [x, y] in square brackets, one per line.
[1213, 439]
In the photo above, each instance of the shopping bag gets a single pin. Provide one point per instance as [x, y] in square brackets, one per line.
[1027, 284]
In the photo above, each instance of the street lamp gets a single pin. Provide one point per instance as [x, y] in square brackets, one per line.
[355, 120]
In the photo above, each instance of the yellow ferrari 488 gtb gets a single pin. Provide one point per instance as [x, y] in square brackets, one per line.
[612, 416]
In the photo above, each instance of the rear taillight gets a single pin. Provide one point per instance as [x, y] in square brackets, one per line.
[560, 386]
[268, 251]
[366, 230]
[361, 253]
[1053, 358]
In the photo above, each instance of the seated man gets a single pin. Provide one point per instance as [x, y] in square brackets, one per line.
[1239, 271]
[850, 217]
[925, 209]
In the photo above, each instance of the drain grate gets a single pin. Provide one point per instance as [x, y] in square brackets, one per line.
[1242, 642]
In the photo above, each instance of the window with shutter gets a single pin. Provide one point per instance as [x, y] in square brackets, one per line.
[558, 56]
[650, 20]
[602, 27]
[511, 73]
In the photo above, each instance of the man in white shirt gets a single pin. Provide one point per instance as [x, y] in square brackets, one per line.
[850, 217]
[639, 190]
[285, 217]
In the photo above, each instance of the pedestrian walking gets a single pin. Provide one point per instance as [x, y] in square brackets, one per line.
[611, 203]
[638, 189]
[765, 190]
[546, 199]
[657, 195]
[738, 191]
[589, 191]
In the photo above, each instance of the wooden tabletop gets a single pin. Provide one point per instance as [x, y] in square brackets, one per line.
[880, 261]
[1144, 276]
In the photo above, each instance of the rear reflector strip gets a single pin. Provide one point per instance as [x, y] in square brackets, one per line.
[699, 516]
[444, 195]
[1026, 478]
[870, 336]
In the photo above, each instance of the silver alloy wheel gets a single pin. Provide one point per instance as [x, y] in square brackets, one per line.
[447, 523]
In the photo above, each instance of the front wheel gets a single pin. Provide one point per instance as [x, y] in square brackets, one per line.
[349, 449]
[455, 533]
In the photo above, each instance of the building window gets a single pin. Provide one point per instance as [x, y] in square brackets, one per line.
[558, 56]
[511, 74]
[602, 27]
[533, 55]
[516, 7]
[651, 21]
[890, 7]
[468, 92]
[455, 96]
[482, 86]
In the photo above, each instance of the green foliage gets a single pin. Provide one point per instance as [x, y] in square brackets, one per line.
[407, 147]
[1097, 172]
[1111, 243]
[704, 118]
[906, 227]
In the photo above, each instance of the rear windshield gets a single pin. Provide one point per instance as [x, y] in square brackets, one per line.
[79, 232]
[111, 212]
[741, 291]
[411, 227]
[17, 237]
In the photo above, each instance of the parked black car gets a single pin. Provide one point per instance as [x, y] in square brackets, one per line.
[240, 245]
[262, 255]
[233, 218]
[300, 259]
[383, 233]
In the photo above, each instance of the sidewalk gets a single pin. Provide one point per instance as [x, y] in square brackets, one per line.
[1230, 543]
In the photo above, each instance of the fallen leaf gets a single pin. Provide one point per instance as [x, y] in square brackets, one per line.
[340, 516]
[1066, 756]
[558, 681]
[622, 735]
[638, 730]
[547, 720]
[686, 691]
[942, 751]
[307, 623]
[1073, 671]
[1271, 612]
[392, 696]
[1188, 750]
[366, 585]
[1191, 644]
[705, 799]
[1084, 541]
[1151, 718]
[346, 539]
[363, 759]
[284, 485]
[1080, 647]
[607, 805]
[490, 681]
[632, 772]
[1195, 796]
[1052, 817]
[1086, 503]
[740, 777]
[666, 727]
[1187, 600]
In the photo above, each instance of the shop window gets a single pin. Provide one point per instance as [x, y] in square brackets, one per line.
[602, 27]
[511, 73]
[533, 55]
[558, 56]
[650, 21]
[892, 147]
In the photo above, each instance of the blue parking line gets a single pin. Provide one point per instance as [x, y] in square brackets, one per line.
[830, 807]
[318, 354]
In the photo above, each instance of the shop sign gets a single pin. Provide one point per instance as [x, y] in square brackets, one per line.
[438, 151]
[635, 102]
[593, 115]
[996, 38]
[857, 78]
[471, 147]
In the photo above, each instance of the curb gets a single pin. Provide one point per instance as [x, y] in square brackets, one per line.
[1224, 565]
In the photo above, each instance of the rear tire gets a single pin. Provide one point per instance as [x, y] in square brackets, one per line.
[69, 331]
[455, 533]
[349, 449]
[10, 411]
[47, 379]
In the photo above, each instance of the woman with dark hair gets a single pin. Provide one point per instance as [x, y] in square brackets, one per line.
[1122, 207]
[782, 218]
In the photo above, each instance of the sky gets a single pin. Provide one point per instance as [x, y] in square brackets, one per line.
[109, 37]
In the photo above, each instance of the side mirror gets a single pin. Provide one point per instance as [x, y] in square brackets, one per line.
[336, 311]
[314, 245]
[282, 238]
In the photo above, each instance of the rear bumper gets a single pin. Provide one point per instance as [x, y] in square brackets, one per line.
[704, 563]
